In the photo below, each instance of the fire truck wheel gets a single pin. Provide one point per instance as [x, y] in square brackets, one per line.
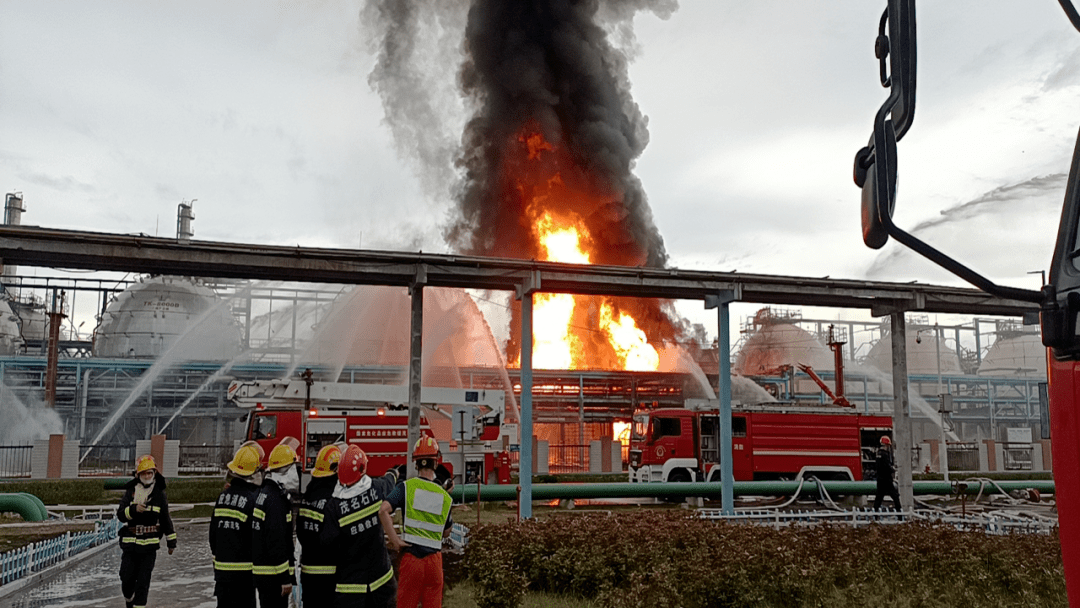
[678, 476]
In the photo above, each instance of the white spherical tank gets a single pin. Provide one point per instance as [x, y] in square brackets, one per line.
[778, 344]
[166, 314]
[1021, 356]
[10, 338]
[922, 354]
[32, 319]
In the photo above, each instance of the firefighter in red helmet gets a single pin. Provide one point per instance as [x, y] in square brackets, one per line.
[884, 469]
[426, 508]
[354, 537]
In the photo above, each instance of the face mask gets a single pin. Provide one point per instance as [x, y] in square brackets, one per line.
[147, 481]
[288, 479]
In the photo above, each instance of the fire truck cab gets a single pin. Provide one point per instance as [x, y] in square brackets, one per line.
[374, 417]
[773, 441]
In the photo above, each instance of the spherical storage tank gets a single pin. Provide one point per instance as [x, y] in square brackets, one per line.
[10, 338]
[164, 314]
[776, 344]
[1019, 356]
[922, 354]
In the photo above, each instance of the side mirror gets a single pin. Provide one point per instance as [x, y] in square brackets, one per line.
[876, 168]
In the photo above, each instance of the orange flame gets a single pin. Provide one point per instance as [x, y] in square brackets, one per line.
[631, 344]
[572, 331]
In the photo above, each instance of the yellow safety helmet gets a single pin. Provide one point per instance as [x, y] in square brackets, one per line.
[145, 463]
[257, 446]
[326, 462]
[246, 461]
[283, 455]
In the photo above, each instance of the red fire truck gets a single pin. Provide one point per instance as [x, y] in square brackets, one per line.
[375, 417]
[771, 441]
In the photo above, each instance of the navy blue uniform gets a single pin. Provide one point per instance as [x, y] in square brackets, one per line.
[141, 538]
[317, 569]
[355, 540]
[272, 555]
[230, 543]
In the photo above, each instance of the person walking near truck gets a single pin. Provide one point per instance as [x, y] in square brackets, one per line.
[230, 531]
[426, 507]
[885, 468]
[354, 537]
[272, 548]
[317, 568]
[145, 509]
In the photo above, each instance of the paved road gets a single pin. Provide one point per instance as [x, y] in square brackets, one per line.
[184, 579]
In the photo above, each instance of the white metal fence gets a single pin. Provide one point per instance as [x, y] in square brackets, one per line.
[35, 557]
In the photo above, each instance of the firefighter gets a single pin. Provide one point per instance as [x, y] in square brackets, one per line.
[145, 510]
[230, 531]
[272, 554]
[353, 536]
[884, 469]
[316, 563]
[426, 507]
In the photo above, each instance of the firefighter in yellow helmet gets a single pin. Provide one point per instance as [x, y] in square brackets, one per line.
[144, 509]
[317, 570]
[426, 507]
[272, 555]
[230, 530]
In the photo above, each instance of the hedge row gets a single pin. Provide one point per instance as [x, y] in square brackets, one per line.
[93, 492]
[668, 560]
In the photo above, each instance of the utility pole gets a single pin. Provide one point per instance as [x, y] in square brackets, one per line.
[56, 317]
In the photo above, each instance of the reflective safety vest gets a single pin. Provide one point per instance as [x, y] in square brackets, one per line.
[427, 507]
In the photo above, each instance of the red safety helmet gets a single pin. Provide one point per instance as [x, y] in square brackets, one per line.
[885, 440]
[352, 466]
[427, 448]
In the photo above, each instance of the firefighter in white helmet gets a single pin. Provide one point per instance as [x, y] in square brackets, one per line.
[354, 537]
[230, 530]
[145, 509]
[426, 507]
[317, 570]
[272, 555]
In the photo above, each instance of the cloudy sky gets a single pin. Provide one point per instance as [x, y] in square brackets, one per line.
[112, 113]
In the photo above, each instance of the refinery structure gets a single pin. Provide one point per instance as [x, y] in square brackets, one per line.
[164, 348]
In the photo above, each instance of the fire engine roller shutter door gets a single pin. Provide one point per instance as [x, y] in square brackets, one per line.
[326, 427]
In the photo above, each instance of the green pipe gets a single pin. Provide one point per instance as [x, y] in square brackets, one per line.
[713, 489]
[38, 503]
[24, 505]
[116, 483]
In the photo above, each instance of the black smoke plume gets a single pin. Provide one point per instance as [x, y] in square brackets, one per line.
[550, 65]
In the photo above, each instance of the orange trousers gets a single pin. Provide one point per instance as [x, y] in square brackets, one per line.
[420, 581]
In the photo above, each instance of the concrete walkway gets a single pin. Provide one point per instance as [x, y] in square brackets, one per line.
[184, 579]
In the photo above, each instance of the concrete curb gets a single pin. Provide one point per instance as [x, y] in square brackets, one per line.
[53, 570]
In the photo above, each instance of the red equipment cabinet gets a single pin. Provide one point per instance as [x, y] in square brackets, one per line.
[768, 442]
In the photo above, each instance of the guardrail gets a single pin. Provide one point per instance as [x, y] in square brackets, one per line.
[35, 557]
[15, 460]
[204, 458]
[993, 522]
[459, 536]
